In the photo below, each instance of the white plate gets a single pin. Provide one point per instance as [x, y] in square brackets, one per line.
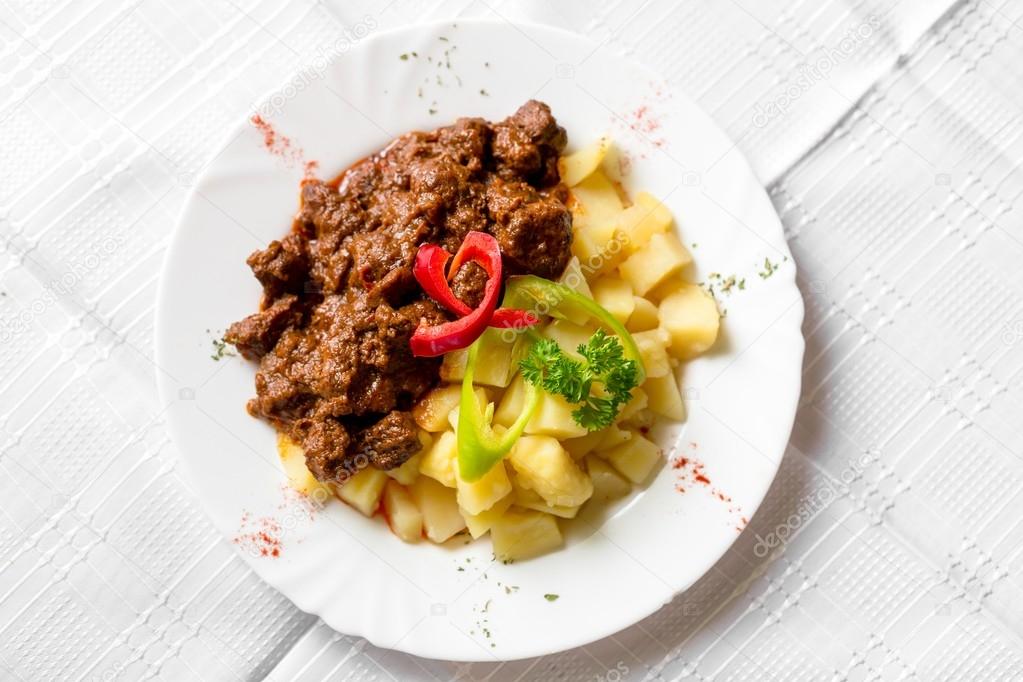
[442, 602]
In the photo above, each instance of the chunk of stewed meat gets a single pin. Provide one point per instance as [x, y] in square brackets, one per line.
[533, 229]
[390, 442]
[257, 334]
[283, 266]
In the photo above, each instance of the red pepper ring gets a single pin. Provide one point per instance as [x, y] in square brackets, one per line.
[477, 247]
[429, 268]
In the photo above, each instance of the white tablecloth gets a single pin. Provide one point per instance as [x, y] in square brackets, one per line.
[890, 136]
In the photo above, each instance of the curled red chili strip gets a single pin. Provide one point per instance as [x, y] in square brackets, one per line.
[429, 271]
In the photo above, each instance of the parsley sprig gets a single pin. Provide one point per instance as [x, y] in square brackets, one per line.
[604, 363]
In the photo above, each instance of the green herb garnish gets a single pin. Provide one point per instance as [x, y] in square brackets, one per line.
[220, 350]
[548, 367]
[769, 269]
[551, 597]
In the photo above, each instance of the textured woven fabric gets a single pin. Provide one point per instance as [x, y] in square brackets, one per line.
[890, 136]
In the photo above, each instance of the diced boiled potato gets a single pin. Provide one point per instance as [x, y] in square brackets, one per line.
[479, 524]
[553, 415]
[439, 461]
[494, 366]
[644, 315]
[363, 490]
[660, 213]
[522, 534]
[691, 318]
[574, 167]
[512, 403]
[607, 483]
[431, 412]
[479, 496]
[643, 419]
[666, 288]
[530, 499]
[614, 163]
[597, 257]
[407, 472]
[481, 399]
[441, 518]
[554, 418]
[634, 459]
[575, 279]
[541, 464]
[452, 419]
[569, 335]
[612, 437]
[642, 220]
[635, 404]
[653, 349]
[578, 447]
[661, 257]
[664, 397]
[299, 476]
[615, 296]
[403, 516]
[597, 205]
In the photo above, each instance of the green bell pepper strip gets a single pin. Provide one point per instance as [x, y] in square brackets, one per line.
[543, 297]
[479, 448]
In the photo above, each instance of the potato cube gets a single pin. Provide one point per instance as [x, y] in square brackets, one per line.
[596, 205]
[542, 465]
[363, 490]
[553, 416]
[615, 296]
[607, 483]
[575, 279]
[530, 499]
[403, 516]
[644, 315]
[431, 412]
[441, 518]
[643, 419]
[664, 397]
[512, 403]
[635, 404]
[634, 459]
[569, 335]
[583, 445]
[661, 257]
[480, 524]
[653, 349]
[522, 534]
[299, 476]
[494, 366]
[479, 496]
[614, 164]
[642, 220]
[612, 437]
[575, 167]
[409, 470]
[481, 399]
[665, 289]
[691, 319]
[439, 461]
[597, 257]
